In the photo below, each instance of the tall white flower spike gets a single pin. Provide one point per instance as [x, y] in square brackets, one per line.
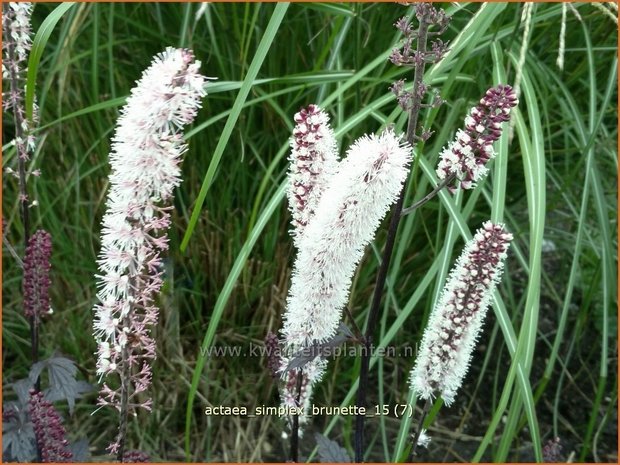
[146, 152]
[350, 208]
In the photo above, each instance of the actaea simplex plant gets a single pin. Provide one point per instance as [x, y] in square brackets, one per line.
[337, 206]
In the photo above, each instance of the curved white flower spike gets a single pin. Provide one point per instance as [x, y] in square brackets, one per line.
[146, 152]
[367, 182]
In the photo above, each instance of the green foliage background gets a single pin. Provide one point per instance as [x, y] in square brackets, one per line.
[547, 361]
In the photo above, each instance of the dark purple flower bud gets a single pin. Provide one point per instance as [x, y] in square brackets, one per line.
[421, 90]
[404, 26]
[466, 157]
[404, 98]
[274, 358]
[36, 281]
[439, 48]
[433, 16]
[48, 430]
[136, 456]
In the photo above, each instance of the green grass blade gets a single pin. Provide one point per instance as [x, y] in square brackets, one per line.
[36, 52]
[608, 252]
[330, 8]
[257, 61]
[534, 167]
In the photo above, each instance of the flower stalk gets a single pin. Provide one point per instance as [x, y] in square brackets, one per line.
[146, 153]
[427, 16]
[16, 45]
[456, 320]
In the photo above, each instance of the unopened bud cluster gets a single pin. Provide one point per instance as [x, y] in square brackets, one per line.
[48, 430]
[36, 281]
[313, 160]
[409, 55]
[466, 157]
[456, 320]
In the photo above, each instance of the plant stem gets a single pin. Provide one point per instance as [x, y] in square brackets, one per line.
[373, 314]
[295, 428]
[124, 404]
[428, 196]
[22, 157]
[427, 407]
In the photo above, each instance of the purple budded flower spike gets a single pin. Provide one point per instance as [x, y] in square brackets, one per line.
[456, 320]
[36, 282]
[472, 148]
[48, 430]
[314, 159]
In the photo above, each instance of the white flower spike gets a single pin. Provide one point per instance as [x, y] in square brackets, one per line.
[146, 152]
[314, 160]
[456, 320]
[367, 182]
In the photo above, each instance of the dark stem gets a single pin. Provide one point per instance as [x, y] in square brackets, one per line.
[373, 314]
[22, 157]
[428, 196]
[295, 428]
[427, 407]
[124, 404]
[356, 331]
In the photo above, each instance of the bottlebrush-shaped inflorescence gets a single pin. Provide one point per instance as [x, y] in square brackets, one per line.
[313, 161]
[146, 153]
[51, 436]
[456, 320]
[466, 157]
[16, 44]
[367, 182]
[346, 216]
[36, 282]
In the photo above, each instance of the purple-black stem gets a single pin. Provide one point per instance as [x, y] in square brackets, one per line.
[20, 142]
[427, 407]
[373, 314]
[295, 427]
